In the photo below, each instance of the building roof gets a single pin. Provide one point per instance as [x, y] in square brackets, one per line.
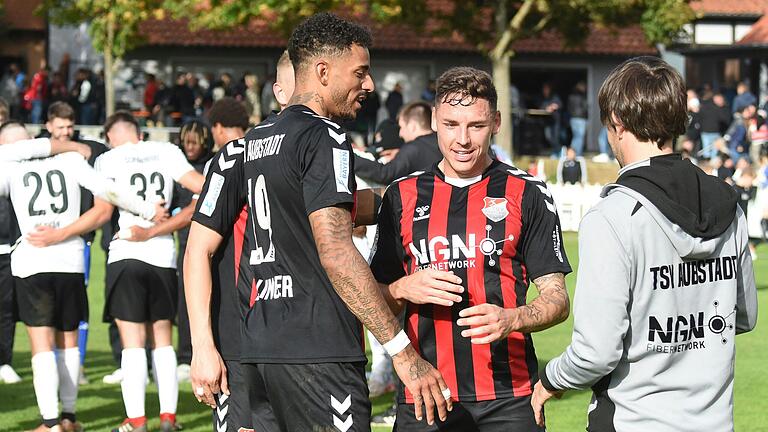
[743, 8]
[626, 41]
[758, 34]
[20, 15]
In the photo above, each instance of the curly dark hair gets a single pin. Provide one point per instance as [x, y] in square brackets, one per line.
[325, 34]
[463, 85]
[229, 113]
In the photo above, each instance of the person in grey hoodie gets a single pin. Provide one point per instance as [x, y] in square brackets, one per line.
[665, 279]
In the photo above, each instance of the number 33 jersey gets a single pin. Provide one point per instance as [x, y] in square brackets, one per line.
[46, 192]
[292, 165]
[149, 169]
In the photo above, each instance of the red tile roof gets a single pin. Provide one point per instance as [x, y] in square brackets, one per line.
[758, 34]
[20, 15]
[730, 7]
[627, 41]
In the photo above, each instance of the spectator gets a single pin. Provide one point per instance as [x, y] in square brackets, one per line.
[743, 98]
[572, 168]
[83, 98]
[552, 104]
[738, 135]
[150, 91]
[693, 132]
[577, 107]
[428, 95]
[394, 101]
[714, 118]
[747, 191]
[268, 101]
[4, 111]
[198, 90]
[368, 114]
[252, 98]
[182, 99]
[10, 90]
[36, 95]
[58, 89]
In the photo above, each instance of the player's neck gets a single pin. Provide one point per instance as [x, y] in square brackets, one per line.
[311, 99]
[231, 134]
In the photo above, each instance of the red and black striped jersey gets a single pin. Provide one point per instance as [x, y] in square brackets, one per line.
[496, 234]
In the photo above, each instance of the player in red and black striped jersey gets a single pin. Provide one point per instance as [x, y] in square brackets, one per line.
[457, 247]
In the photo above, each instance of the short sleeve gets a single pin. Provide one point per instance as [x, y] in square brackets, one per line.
[542, 242]
[387, 261]
[224, 192]
[327, 170]
[176, 162]
[26, 149]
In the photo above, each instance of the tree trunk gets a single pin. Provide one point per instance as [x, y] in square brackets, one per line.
[109, 67]
[501, 79]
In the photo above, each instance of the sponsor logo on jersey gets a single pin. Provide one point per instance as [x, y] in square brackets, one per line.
[276, 287]
[689, 273]
[556, 243]
[422, 213]
[495, 209]
[443, 253]
[212, 196]
[263, 147]
[341, 169]
[674, 334]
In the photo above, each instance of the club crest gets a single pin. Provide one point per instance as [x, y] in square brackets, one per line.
[495, 209]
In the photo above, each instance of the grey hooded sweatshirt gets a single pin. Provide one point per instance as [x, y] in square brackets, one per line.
[664, 284]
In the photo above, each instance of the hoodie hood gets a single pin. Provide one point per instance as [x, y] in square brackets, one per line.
[692, 207]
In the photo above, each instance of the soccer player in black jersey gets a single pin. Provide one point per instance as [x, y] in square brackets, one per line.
[302, 343]
[457, 247]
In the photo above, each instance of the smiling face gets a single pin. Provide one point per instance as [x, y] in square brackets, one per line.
[60, 128]
[464, 133]
[349, 82]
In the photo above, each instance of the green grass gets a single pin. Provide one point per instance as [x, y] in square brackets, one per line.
[100, 406]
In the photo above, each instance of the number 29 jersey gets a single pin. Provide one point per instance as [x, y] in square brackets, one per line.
[291, 166]
[149, 169]
[46, 192]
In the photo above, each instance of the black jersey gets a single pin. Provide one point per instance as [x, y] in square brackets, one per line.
[231, 275]
[496, 235]
[292, 165]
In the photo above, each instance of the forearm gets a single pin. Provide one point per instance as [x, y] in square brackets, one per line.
[349, 272]
[389, 291]
[174, 223]
[90, 220]
[197, 289]
[551, 307]
[125, 199]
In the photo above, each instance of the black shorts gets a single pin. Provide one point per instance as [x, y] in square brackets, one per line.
[233, 412]
[140, 292]
[55, 300]
[500, 415]
[308, 397]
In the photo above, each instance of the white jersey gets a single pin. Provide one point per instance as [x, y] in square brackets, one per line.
[149, 169]
[25, 149]
[47, 192]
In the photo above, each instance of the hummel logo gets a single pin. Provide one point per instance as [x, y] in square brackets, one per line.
[422, 211]
[341, 408]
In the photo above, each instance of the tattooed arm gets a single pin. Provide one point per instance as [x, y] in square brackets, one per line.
[352, 279]
[490, 322]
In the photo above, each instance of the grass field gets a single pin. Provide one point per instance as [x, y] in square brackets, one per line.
[100, 406]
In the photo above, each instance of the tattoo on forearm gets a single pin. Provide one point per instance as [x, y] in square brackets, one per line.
[349, 272]
[550, 308]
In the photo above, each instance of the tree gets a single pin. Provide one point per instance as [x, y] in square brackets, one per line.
[113, 27]
[491, 25]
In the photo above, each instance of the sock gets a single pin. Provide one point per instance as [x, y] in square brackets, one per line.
[134, 366]
[68, 362]
[168, 417]
[164, 365]
[45, 379]
[137, 421]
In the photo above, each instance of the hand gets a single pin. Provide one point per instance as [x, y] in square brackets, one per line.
[208, 373]
[83, 149]
[429, 286]
[139, 234]
[425, 383]
[492, 321]
[161, 213]
[539, 397]
[387, 155]
[43, 236]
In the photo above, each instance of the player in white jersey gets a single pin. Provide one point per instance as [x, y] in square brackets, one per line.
[49, 284]
[141, 276]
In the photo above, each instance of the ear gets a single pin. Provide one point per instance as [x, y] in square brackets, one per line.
[496, 122]
[322, 72]
[279, 94]
[617, 125]
[434, 119]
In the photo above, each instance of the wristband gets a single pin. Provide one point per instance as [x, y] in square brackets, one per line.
[397, 344]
